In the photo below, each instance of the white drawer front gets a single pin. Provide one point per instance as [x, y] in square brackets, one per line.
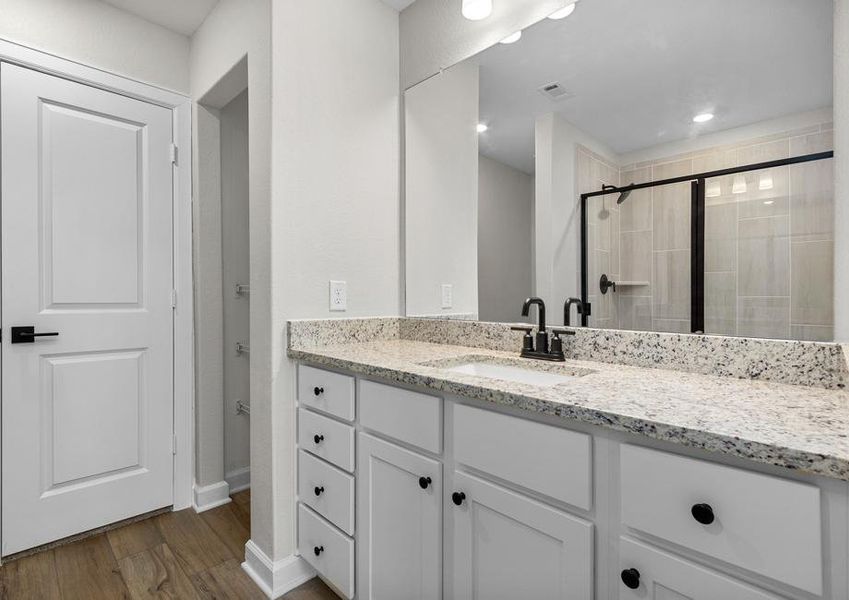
[404, 415]
[331, 440]
[657, 574]
[326, 391]
[549, 460]
[330, 552]
[767, 525]
[327, 490]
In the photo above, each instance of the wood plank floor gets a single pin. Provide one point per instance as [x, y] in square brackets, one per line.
[177, 555]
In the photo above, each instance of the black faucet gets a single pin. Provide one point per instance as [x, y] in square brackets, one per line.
[567, 310]
[542, 350]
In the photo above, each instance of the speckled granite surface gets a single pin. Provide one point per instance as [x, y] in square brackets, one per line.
[791, 426]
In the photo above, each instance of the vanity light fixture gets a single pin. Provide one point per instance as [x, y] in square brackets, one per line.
[564, 12]
[703, 117]
[513, 37]
[739, 185]
[482, 127]
[714, 189]
[476, 10]
[765, 181]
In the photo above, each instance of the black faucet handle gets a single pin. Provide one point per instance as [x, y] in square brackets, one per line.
[525, 328]
[527, 339]
[558, 331]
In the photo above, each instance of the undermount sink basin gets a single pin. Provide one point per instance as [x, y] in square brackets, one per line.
[517, 371]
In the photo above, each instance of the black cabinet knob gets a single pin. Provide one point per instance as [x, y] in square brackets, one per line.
[318, 391]
[631, 578]
[424, 482]
[703, 513]
[318, 550]
[319, 490]
[318, 438]
[458, 498]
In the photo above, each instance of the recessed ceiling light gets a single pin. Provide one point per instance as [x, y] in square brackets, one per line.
[482, 127]
[703, 117]
[563, 12]
[475, 10]
[513, 37]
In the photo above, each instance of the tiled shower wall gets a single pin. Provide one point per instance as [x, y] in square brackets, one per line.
[768, 253]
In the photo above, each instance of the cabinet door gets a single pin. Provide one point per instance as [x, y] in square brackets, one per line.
[648, 573]
[507, 546]
[399, 522]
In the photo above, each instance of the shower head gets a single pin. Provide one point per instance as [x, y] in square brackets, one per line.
[623, 196]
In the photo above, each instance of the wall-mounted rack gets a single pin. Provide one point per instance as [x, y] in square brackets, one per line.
[242, 348]
[242, 289]
[243, 408]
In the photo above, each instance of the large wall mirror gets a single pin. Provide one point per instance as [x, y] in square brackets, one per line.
[697, 137]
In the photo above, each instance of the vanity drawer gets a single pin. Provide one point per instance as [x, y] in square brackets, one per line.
[327, 490]
[331, 440]
[546, 459]
[401, 414]
[765, 524]
[326, 391]
[330, 552]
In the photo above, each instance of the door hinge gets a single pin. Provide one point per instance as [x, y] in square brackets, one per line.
[174, 299]
[173, 154]
[173, 444]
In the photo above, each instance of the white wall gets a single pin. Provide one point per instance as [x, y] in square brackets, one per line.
[435, 35]
[99, 35]
[234, 30]
[235, 269]
[505, 240]
[335, 188]
[841, 171]
[442, 192]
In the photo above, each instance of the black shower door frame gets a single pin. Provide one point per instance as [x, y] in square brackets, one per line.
[697, 228]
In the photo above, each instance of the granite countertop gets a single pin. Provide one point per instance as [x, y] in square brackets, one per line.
[790, 426]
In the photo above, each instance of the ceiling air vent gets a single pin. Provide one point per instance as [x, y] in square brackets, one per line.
[555, 91]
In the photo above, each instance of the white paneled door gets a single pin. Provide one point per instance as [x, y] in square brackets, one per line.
[87, 414]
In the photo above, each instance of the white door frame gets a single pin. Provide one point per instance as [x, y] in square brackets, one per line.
[181, 107]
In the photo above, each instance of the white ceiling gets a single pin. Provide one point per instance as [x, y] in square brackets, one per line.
[640, 71]
[399, 4]
[182, 16]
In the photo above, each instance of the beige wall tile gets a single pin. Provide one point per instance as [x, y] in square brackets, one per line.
[812, 333]
[762, 152]
[635, 212]
[635, 256]
[671, 207]
[721, 303]
[720, 234]
[812, 289]
[635, 313]
[671, 325]
[763, 257]
[812, 201]
[671, 285]
[765, 203]
[763, 317]
[810, 144]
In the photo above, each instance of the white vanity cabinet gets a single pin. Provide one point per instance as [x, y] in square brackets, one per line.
[406, 494]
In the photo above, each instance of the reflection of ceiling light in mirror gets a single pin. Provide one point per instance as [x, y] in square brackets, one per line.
[482, 127]
[703, 117]
[739, 185]
[714, 189]
[768, 202]
[475, 10]
[765, 181]
[563, 12]
[513, 37]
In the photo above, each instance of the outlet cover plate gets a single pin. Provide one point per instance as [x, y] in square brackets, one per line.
[338, 296]
[447, 295]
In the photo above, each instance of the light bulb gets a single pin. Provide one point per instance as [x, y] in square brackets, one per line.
[482, 127]
[765, 181]
[563, 12]
[475, 10]
[739, 185]
[513, 37]
[714, 189]
[703, 117]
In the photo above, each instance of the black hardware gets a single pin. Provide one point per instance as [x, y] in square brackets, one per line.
[540, 350]
[567, 309]
[319, 490]
[318, 438]
[542, 336]
[318, 550]
[424, 482]
[458, 498]
[318, 391]
[631, 578]
[27, 334]
[605, 283]
[527, 339]
[697, 256]
[703, 513]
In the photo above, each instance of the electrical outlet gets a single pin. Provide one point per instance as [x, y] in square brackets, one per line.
[447, 295]
[338, 296]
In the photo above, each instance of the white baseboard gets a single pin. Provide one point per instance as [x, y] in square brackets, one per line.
[210, 496]
[275, 578]
[239, 479]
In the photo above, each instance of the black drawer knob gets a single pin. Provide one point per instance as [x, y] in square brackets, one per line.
[318, 438]
[318, 550]
[458, 498]
[318, 391]
[631, 578]
[319, 490]
[703, 513]
[424, 482]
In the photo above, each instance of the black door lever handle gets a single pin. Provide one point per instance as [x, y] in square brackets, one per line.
[27, 334]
